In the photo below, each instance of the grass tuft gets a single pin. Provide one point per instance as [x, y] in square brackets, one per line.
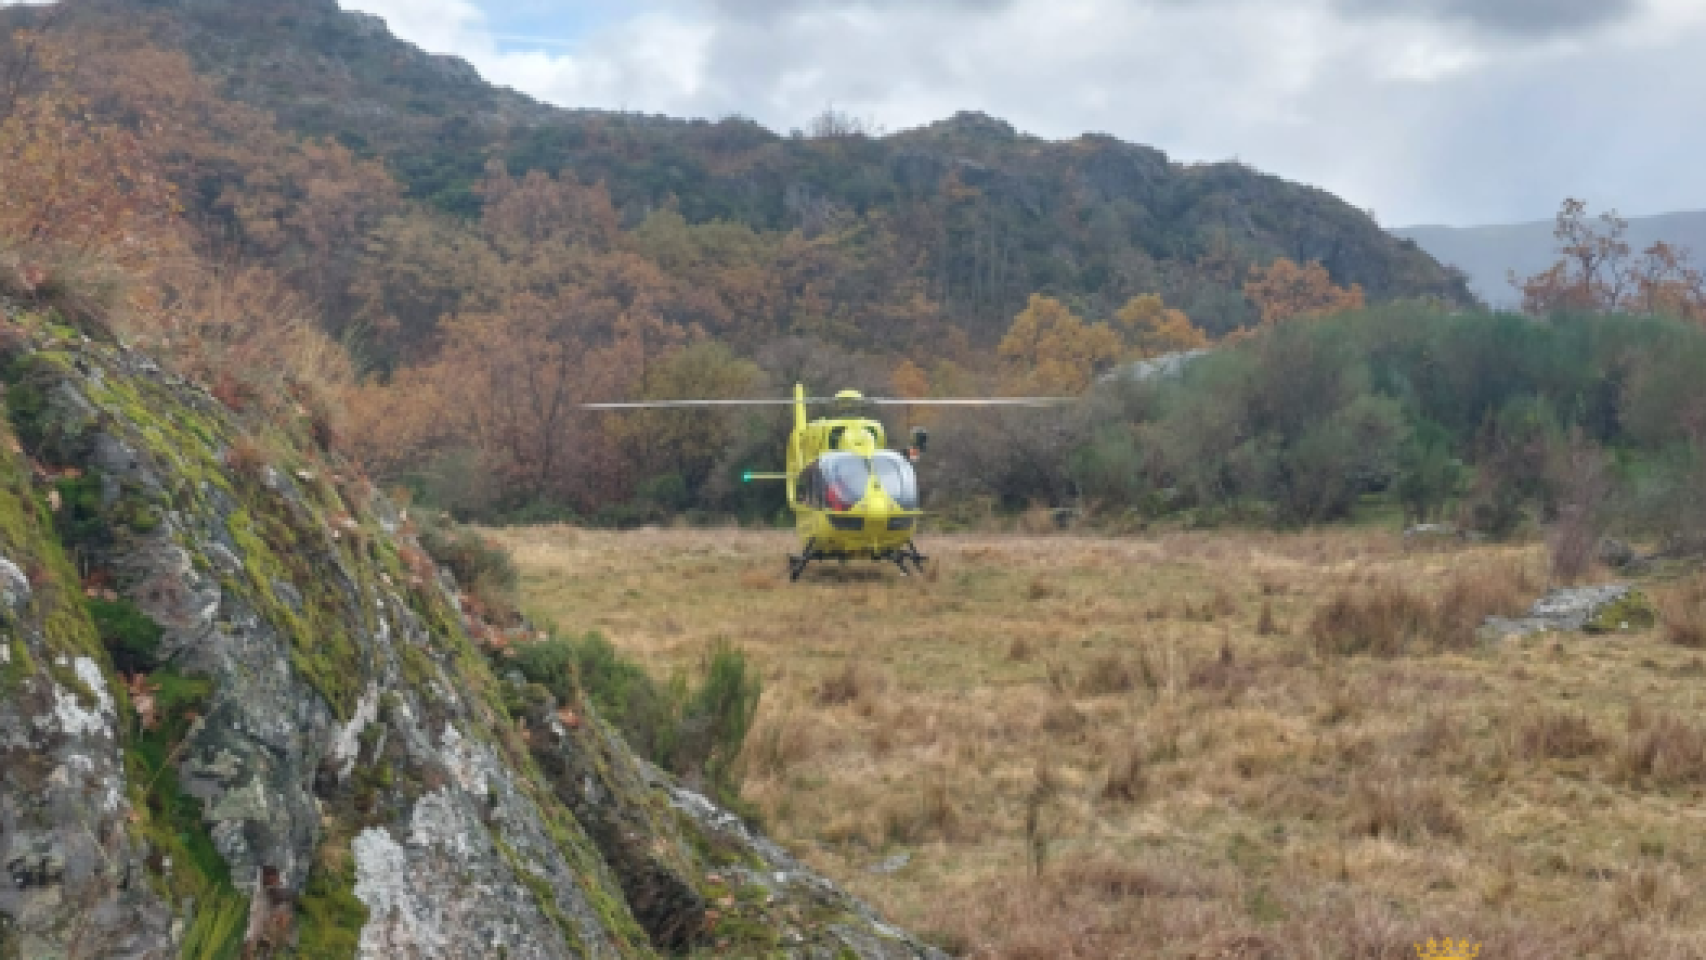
[1388, 619]
[1662, 749]
[1401, 809]
[1558, 735]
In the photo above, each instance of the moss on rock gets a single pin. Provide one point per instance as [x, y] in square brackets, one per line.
[329, 915]
[17, 667]
[1632, 611]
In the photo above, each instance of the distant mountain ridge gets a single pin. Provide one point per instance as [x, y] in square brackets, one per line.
[1489, 254]
[988, 215]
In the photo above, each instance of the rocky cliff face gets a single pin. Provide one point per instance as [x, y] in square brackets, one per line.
[239, 708]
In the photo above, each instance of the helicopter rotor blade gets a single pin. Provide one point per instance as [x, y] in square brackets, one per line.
[969, 401]
[684, 404]
[875, 401]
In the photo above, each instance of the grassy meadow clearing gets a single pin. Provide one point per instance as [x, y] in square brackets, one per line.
[1214, 744]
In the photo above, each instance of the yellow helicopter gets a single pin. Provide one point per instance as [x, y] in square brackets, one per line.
[852, 497]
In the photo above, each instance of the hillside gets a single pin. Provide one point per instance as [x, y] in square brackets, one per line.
[1488, 254]
[242, 713]
[979, 215]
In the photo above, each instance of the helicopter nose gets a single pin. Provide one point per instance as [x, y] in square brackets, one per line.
[877, 505]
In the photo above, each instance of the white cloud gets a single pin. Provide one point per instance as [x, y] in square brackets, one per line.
[441, 26]
[1446, 110]
[653, 62]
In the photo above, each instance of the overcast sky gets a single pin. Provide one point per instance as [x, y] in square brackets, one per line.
[1425, 111]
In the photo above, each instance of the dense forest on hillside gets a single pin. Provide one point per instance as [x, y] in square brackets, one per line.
[444, 270]
[869, 240]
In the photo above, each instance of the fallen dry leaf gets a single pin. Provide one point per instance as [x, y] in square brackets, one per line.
[142, 700]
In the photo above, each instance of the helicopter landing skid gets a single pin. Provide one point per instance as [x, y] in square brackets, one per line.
[906, 553]
[797, 563]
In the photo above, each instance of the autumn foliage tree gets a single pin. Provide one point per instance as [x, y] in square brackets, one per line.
[508, 383]
[1597, 272]
[90, 226]
[1049, 348]
[82, 205]
[1156, 328]
[910, 381]
[1286, 291]
[303, 206]
[679, 448]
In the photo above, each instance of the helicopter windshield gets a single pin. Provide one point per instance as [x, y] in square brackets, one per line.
[897, 478]
[844, 479]
[837, 481]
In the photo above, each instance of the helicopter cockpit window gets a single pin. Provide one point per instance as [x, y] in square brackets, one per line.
[808, 489]
[897, 477]
[844, 479]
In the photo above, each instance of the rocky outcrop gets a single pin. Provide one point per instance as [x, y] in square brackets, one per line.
[1612, 608]
[1167, 365]
[73, 873]
[239, 705]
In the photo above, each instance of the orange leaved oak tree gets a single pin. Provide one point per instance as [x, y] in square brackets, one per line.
[1285, 290]
[1049, 348]
[1598, 272]
[1157, 328]
[83, 203]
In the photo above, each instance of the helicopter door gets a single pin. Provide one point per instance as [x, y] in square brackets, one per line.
[896, 475]
[808, 489]
[844, 478]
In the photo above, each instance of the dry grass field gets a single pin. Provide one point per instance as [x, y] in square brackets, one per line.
[1193, 744]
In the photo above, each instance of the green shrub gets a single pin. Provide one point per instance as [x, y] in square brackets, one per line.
[667, 492]
[695, 731]
[1110, 469]
[130, 636]
[623, 693]
[718, 716]
[481, 567]
[80, 517]
[1429, 474]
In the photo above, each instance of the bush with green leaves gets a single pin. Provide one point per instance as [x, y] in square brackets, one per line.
[1291, 420]
[695, 730]
[129, 635]
[1429, 472]
[1422, 406]
[481, 567]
